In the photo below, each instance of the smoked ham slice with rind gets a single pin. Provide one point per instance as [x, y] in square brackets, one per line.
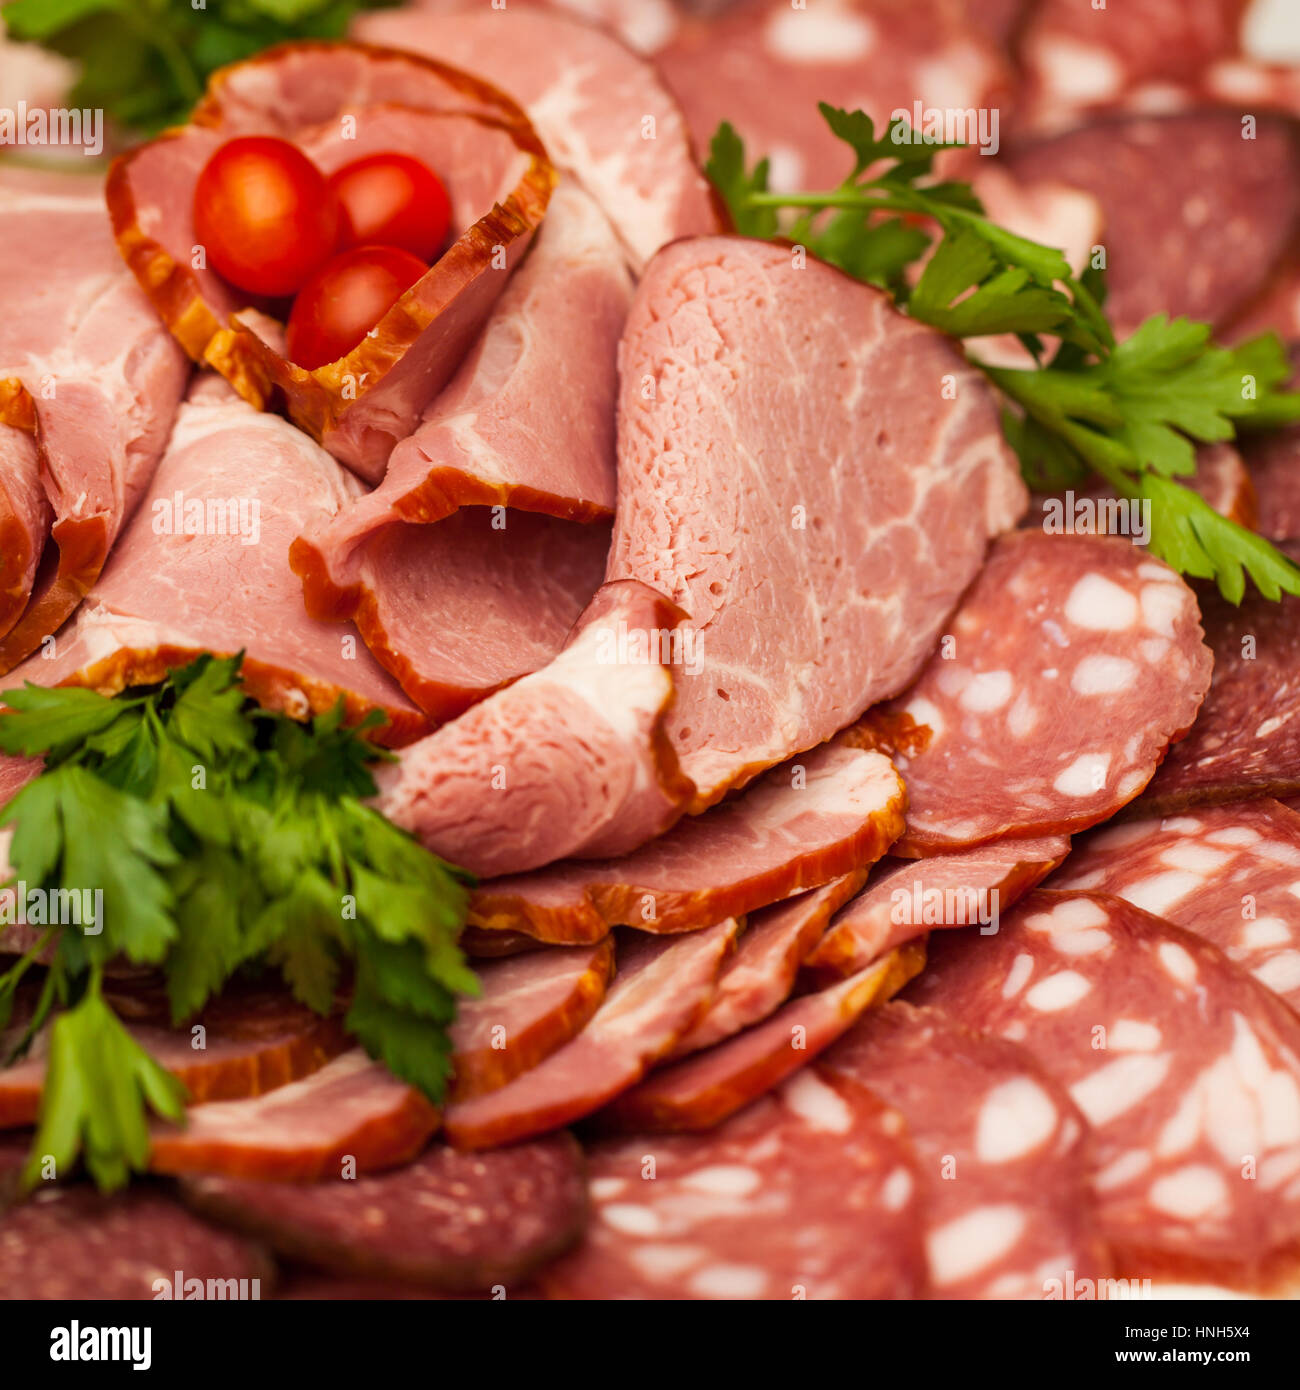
[824, 815]
[905, 898]
[1228, 873]
[352, 1111]
[661, 989]
[529, 1006]
[1003, 1153]
[760, 975]
[203, 567]
[25, 514]
[1071, 664]
[705, 1089]
[1186, 1068]
[451, 1221]
[490, 159]
[811, 1192]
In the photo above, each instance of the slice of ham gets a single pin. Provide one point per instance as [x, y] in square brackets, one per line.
[906, 898]
[817, 586]
[353, 1112]
[339, 102]
[661, 989]
[25, 514]
[1070, 666]
[703, 1091]
[530, 1005]
[760, 976]
[167, 595]
[568, 761]
[104, 378]
[827, 814]
[603, 113]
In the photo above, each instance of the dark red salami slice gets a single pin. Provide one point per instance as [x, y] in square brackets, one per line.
[661, 989]
[1246, 739]
[353, 1115]
[1228, 873]
[760, 975]
[812, 1192]
[1187, 1069]
[811, 820]
[1001, 1148]
[1070, 665]
[702, 1091]
[450, 1220]
[531, 1004]
[73, 1242]
[1274, 459]
[905, 898]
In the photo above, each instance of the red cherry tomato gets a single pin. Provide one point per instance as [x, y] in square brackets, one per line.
[265, 215]
[392, 200]
[345, 299]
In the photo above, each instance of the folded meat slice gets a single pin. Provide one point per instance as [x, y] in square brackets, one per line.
[25, 514]
[812, 477]
[570, 760]
[104, 376]
[826, 814]
[603, 113]
[203, 566]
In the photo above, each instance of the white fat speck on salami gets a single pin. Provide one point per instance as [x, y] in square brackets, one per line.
[1069, 666]
[811, 1192]
[1001, 1148]
[1228, 873]
[1187, 1069]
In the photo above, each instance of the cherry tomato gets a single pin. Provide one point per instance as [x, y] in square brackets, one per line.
[344, 300]
[265, 214]
[392, 200]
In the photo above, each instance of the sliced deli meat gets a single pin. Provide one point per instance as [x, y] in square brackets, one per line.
[1003, 1154]
[703, 1090]
[353, 1110]
[1187, 1069]
[825, 815]
[812, 477]
[339, 103]
[1274, 461]
[811, 1192]
[448, 1220]
[661, 989]
[906, 898]
[1070, 666]
[570, 760]
[1228, 873]
[25, 513]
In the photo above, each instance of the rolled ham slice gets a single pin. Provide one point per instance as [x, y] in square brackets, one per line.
[25, 514]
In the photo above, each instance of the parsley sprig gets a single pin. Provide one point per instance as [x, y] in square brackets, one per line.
[1130, 412]
[223, 837]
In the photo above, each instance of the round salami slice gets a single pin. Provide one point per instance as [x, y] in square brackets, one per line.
[1274, 459]
[906, 898]
[812, 1192]
[450, 1220]
[1187, 1069]
[74, 1242]
[353, 1112]
[702, 1091]
[1228, 873]
[1002, 1151]
[1071, 664]
[530, 1005]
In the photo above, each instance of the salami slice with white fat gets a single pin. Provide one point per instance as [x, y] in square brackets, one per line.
[1002, 1151]
[813, 819]
[530, 1005]
[661, 989]
[1228, 873]
[702, 1091]
[906, 898]
[812, 1192]
[1187, 1069]
[1070, 665]
[452, 1221]
[352, 1112]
